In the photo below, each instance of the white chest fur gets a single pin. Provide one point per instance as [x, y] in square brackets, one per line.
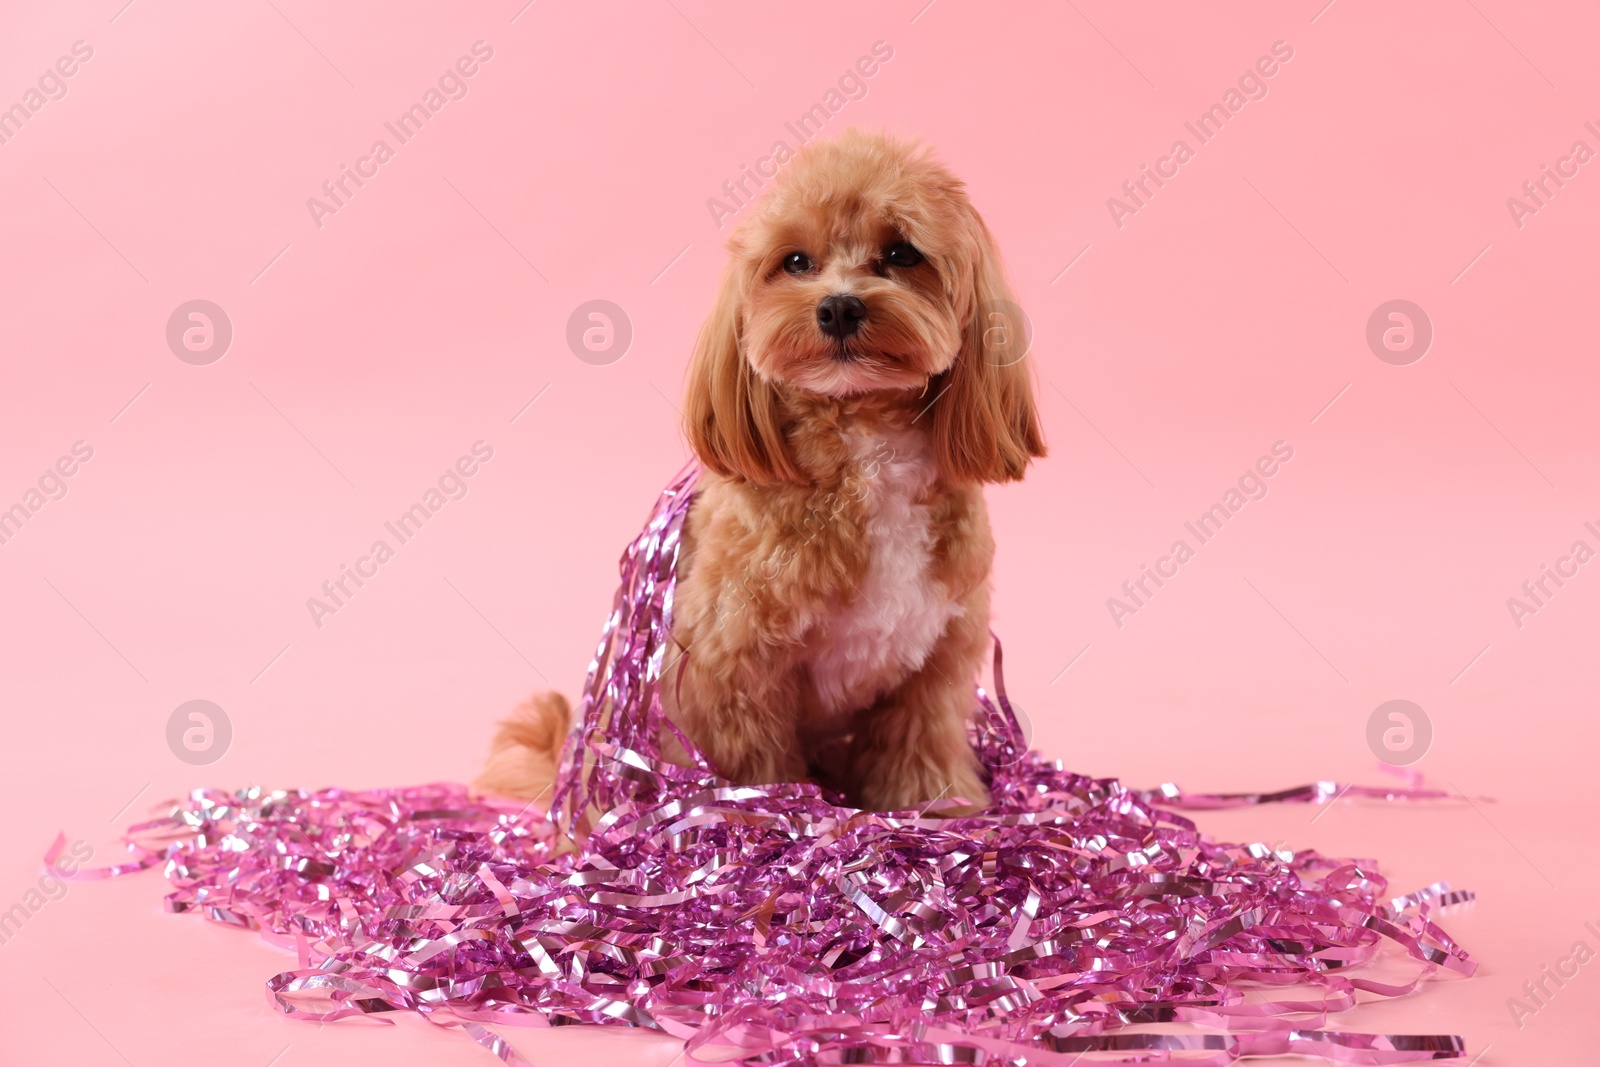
[885, 630]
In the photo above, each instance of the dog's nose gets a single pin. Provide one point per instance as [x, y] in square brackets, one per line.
[840, 315]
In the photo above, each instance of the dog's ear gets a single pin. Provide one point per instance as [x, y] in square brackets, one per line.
[731, 415]
[985, 426]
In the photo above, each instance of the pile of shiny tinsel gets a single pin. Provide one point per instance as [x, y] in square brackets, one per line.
[774, 925]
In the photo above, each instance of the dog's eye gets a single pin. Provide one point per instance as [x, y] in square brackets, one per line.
[902, 255]
[797, 263]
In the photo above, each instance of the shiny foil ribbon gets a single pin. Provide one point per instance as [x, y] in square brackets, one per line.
[776, 925]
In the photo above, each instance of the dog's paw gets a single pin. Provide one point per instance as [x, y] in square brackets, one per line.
[926, 789]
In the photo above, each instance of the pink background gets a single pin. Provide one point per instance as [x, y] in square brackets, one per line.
[371, 352]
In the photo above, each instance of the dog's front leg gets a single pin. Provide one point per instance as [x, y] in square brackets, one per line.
[742, 708]
[910, 750]
[737, 692]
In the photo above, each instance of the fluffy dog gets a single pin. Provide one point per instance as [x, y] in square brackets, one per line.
[860, 377]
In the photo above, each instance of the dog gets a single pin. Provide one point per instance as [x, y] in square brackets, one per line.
[861, 376]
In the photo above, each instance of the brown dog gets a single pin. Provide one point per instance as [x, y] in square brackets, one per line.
[858, 380]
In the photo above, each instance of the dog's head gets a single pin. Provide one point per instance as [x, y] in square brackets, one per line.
[865, 269]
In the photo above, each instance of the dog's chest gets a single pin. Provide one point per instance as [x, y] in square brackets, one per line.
[884, 629]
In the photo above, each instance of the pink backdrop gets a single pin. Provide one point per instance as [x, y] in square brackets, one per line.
[1177, 339]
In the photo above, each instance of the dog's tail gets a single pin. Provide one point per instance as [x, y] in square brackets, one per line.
[526, 749]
